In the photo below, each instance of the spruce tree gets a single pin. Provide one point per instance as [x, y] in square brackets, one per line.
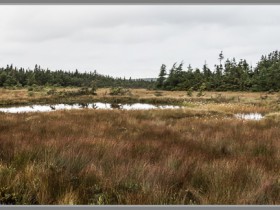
[161, 77]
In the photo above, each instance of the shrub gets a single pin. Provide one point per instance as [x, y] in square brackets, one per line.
[190, 92]
[51, 91]
[30, 94]
[119, 91]
[263, 96]
[83, 91]
[7, 197]
[199, 94]
[93, 88]
[87, 91]
[201, 89]
[158, 93]
[271, 91]
[35, 88]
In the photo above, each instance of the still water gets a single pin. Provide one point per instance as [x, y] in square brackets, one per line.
[48, 108]
[108, 106]
[250, 116]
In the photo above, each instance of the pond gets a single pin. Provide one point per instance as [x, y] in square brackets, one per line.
[250, 116]
[98, 105]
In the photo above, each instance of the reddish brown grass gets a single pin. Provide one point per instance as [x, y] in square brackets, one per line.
[138, 157]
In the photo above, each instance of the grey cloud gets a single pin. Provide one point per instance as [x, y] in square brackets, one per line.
[134, 40]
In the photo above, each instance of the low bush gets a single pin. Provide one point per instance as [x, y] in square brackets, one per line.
[119, 91]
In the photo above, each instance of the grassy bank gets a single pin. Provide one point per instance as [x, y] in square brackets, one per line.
[268, 101]
[188, 156]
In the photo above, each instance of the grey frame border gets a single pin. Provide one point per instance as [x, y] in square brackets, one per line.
[139, 2]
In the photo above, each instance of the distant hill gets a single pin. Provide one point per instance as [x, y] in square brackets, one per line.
[149, 79]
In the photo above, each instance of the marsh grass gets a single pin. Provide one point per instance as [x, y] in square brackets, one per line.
[194, 155]
[47, 95]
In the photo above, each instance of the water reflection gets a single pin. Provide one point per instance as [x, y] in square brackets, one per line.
[116, 106]
[52, 107]
[98, 105]
[83, 105]
[93, 106]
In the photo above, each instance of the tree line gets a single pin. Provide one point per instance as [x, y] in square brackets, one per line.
[229, 76]
[20, 77]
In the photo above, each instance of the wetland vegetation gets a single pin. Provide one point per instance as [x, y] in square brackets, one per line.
[216, 147]
[198, 154]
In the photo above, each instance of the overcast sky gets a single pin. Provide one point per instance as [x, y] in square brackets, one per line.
[126, 40]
